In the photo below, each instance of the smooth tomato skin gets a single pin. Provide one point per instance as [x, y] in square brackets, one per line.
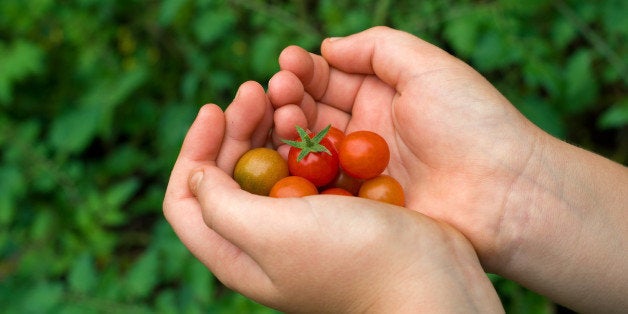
[259, 169]
[383, 188]
[293, 186]
[336, 136]
[336, 191]
[318, 168]
[363, 154]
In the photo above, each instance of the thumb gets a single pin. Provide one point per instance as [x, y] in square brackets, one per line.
[242, 218]
[394, 56]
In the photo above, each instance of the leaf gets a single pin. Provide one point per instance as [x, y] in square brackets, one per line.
[17, 61]
[82, 277]
[72, 131]
[169, 10]
[462, 34]
[266, 50]
[615, 117]
[214, 24]
[580, 88]
[75, 129]
[121, 192]
[43, 298]
[143, 276]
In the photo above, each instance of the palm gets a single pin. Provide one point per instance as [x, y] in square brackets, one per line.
[444, 134]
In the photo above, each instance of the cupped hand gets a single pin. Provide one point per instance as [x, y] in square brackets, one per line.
[321, 253]
[458, 146]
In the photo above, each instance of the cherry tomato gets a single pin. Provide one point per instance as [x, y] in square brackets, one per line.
[383, 188]
[259, 169]
[336, 191]
[335, 136]
[363, 154]
[346, 182]
[313, 158]
[293, 186]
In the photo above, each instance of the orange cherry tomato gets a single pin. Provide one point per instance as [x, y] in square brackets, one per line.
[337, 191]
[293, 186]
[363, 154]
[383, 188]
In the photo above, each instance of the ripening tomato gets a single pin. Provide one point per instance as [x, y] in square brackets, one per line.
[293, 186]
[363, 154]
[383, 188]
[313, 158]
[259, 169]
[346, 182]
[336, 191]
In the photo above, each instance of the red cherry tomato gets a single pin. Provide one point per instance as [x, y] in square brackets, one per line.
[337, 191]
[313, 158]
[383, 188]
[293, 186]
[335, 136]
[363, 154]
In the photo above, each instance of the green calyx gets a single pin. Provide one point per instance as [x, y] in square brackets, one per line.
[309, 144]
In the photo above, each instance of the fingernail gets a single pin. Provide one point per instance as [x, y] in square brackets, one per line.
[331, 39]
[195, 180]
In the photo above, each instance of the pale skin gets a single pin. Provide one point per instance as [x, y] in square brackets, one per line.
[479, 178]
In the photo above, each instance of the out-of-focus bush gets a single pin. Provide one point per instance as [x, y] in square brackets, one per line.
[95, 97]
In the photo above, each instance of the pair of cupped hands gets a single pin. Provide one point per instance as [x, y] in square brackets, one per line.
[457, 147]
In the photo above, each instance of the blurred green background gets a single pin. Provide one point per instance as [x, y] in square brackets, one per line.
[96, 96]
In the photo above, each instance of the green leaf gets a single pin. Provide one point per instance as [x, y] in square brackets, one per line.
[462, 33]
[121, 192]
[580, 87]
[168, 11]
[17, 61]
[12, 185]
[82, 277]
[214, 24]
[72, 131]
[143, 275]
[615, 117]
[43, 298]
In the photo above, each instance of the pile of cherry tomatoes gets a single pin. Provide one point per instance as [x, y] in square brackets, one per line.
[328, 162]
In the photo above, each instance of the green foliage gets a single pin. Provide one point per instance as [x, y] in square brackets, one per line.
[96, 96]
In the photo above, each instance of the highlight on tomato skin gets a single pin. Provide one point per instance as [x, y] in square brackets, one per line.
[363, 154]
[383, 188]
[293, 186]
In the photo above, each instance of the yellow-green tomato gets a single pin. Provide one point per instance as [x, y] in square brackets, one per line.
[259, 169]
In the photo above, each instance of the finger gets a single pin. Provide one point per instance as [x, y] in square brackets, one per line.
[181, 209]
[248, 121]
[285, 88]
[233, 267]
[326, 85]
[286, 118]
[394, 56]
[253, 223]
[201, 144]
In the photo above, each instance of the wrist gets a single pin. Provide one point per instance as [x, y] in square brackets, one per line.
[563, 231]
[456, 282]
